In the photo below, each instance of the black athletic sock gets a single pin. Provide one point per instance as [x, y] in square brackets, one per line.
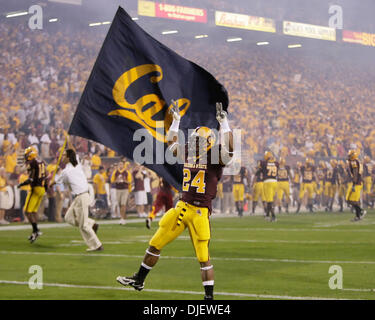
[142, 273]
[209, 291]
[35, 227]
[358, 210]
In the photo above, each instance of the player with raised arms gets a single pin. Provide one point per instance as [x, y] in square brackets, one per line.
[200, 179]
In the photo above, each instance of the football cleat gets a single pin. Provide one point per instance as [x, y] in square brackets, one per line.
[208, 297]
[131, 281]
[34, 236]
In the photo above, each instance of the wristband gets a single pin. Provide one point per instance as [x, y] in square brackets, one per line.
[175, 125]
[224, 126]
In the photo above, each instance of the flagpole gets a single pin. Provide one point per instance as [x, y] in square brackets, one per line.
[59, 159]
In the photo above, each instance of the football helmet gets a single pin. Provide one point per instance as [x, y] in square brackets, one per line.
[322, 164]
[268, 155]
[333, 163]
[204, 138]
[30, 153]
[309, 161]
[282, 162]
[352, 155]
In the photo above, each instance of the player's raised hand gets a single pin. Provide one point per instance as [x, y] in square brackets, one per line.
[175, 111]
[220, 113]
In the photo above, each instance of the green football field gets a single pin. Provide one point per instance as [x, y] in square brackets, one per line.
[252, 258]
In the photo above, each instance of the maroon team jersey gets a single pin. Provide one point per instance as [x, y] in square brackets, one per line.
[269, 169]
[307, 173]
[283, 173]
[37, 173]
[240, 177]
[121, 179]
[355, 170]
[138, 183]
[200, 180]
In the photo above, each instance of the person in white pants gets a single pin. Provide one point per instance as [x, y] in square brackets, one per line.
[78, 212]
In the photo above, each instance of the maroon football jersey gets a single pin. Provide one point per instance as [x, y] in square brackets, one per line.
[200, 180]
[283, 173]
[138, 183]
[307, 173]
[355, 171]
[37, 173]
[121, 179]
[269, 169]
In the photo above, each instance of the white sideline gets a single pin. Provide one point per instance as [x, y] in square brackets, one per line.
[64, 225]
[131, 221]
[185, 258]
[235, 294]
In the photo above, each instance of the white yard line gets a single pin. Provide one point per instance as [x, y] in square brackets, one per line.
[235, 294]
[342, 223]
[358, 290]
[184, 258]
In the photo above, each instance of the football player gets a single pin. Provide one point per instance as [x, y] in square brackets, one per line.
[331, 182]
[199, 187]
[353, 194]
[308, 175]
[37, 180]
[239, 183]
[296, 183]
[257, 186]
[269, 167]
[320, 175]
[283, 188]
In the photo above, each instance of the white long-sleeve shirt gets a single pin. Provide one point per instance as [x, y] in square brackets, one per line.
[74, 177]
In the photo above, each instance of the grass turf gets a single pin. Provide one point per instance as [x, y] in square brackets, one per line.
[252, 258]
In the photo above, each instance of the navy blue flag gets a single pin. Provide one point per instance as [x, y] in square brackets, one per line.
[131, 86]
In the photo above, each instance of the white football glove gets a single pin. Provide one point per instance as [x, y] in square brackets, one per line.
[221, 115]
[175, 111]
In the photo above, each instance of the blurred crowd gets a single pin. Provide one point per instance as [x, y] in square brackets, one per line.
[296, 105]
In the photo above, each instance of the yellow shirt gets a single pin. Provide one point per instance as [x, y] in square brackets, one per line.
[10, 162]
[99, 181]
[95, 162]
[3, 184]
[111, 153]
